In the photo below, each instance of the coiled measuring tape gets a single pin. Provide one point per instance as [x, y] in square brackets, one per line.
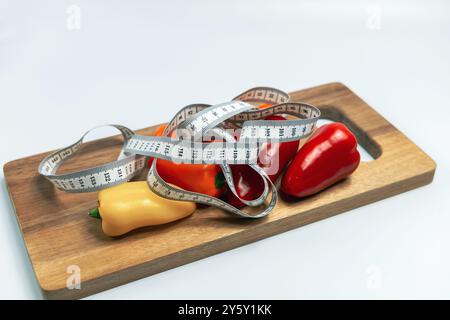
[195, 122]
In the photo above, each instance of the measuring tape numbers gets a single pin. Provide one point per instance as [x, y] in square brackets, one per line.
[238, 129]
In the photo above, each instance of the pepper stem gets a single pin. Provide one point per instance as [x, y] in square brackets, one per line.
[95, 213]
[219, 180]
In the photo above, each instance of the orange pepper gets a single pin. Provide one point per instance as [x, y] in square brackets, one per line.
[265, 105]
[159, 131]
[202, 178]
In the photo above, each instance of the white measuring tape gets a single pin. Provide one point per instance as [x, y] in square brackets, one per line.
[192, 124]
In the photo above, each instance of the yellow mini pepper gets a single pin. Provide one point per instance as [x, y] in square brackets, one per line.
[133, 205]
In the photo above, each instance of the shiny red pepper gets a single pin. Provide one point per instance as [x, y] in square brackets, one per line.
[328, 156]
[273, 158]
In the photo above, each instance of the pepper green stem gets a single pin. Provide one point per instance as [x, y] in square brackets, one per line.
[95, 213]
[219, 180]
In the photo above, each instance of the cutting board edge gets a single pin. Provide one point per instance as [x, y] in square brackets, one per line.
[108, 281]
[285, 224]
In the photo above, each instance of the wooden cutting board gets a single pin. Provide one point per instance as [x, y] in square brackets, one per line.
[58, 233]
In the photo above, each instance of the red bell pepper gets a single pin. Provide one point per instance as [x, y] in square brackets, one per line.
[328, 156]
[273, 158]
[203, 178]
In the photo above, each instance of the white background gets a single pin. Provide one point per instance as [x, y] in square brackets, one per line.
[137, 62]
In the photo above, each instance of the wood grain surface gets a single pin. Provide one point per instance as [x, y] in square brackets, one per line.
[58, 232]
